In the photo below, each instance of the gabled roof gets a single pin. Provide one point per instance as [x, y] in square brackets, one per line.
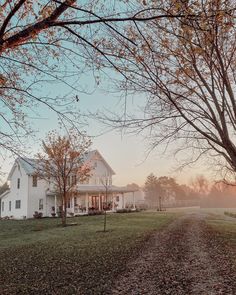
[92, 154]
[31, 166]
[5, 193]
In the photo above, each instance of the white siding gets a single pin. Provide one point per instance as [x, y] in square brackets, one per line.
[30, 195]
[35, 194]
[17, 194]
[131, 198]
[100, 173]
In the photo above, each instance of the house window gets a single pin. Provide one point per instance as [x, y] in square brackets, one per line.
[2, 206]
[35, 181]
[73, 180]
[18, 204]
[75, 202]
[117, 198]
[9, 205]
[40, 204]
[18, 182]
[68, 204]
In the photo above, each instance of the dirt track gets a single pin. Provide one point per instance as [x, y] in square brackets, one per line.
[186, 258]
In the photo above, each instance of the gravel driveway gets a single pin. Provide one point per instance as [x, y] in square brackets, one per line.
[186, 258]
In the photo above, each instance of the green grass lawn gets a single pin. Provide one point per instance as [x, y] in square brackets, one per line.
[225, 232]
[40, 257]
[225, 226]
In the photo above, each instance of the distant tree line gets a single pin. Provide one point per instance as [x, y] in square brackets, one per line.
[164, 191]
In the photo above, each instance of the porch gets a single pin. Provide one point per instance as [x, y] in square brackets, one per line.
[92, 198]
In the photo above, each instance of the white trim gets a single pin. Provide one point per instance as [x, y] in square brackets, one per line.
[101, 188]
[12, 170]
[93, 153]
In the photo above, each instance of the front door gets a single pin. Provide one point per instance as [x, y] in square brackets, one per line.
[95, 202]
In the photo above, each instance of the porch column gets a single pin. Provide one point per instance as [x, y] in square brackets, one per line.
[134, 205]
[87, 202]
[99, 202]
[55, 204]
[123, 201]
[45, 207]
[72, 205]
[113, 202]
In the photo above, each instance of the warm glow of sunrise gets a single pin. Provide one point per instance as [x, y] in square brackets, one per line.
[117, 147]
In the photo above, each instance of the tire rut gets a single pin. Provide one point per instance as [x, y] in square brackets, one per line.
[186, 258]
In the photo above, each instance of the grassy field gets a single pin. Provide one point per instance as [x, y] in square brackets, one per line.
[225, 231]
[224, 225]
[40, 257]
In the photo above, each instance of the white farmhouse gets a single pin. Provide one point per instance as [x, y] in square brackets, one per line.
[28, 194]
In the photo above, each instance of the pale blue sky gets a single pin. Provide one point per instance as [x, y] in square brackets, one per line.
[126, 154]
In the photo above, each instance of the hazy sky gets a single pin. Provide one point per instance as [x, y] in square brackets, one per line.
[126, 154]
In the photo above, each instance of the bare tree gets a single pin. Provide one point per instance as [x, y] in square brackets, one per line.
[200, 185]
[186, 69]
[62, 165]
[56, 41]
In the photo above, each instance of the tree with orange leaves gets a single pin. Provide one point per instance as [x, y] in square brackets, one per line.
[54, 42]
[62, 165]
[180, 53]
[186, 68]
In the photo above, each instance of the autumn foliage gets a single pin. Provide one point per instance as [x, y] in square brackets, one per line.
[179, 54]
[45, 49]
[185, 67]
[62, 165]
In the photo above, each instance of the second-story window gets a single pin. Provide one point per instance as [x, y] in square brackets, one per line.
[35, 181]
[18, 183]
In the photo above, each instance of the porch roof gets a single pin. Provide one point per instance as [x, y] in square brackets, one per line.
[93, 189]
[101, 188]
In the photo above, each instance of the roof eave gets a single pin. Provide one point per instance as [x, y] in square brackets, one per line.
[4, 194]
